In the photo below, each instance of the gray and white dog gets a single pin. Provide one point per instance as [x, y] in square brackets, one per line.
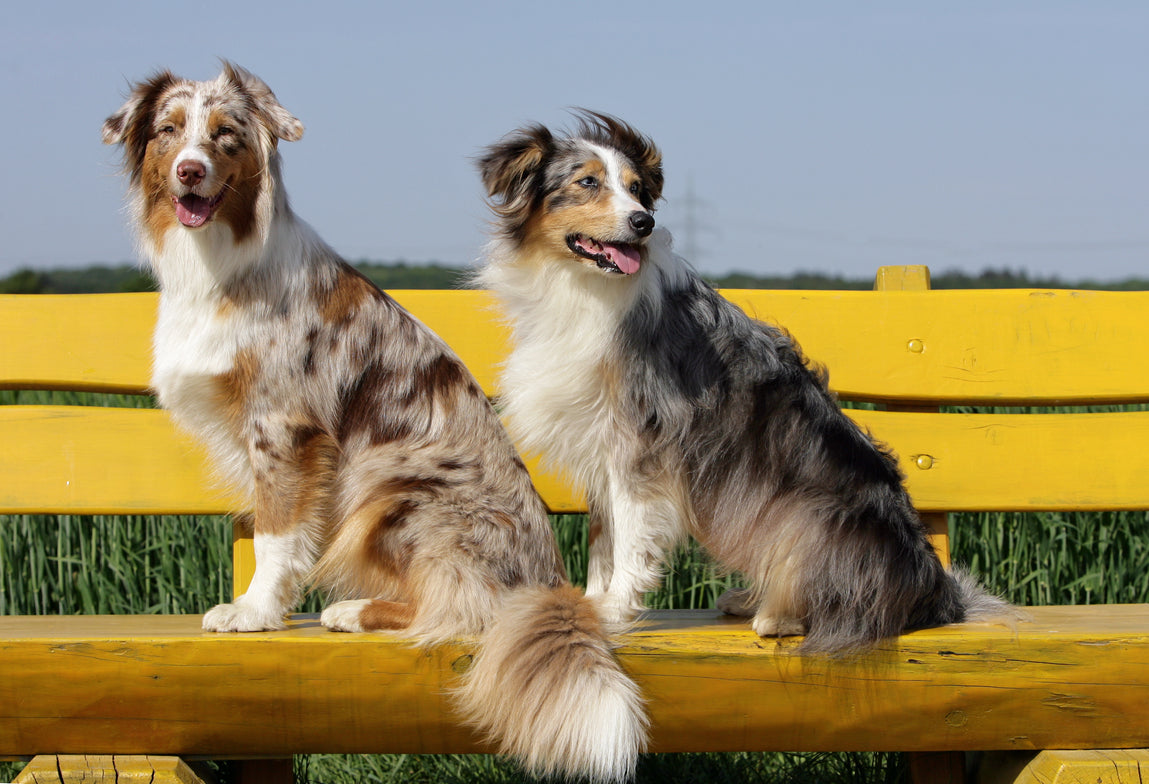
[679, 414]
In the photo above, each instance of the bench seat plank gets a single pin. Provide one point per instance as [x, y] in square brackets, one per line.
[159, 685]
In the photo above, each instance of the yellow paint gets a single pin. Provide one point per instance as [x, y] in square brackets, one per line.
[1130, 766]
[917, 278]
[1023, 346]
[912, 277]
[88, 460]
[106, 768]
[988, 347]
[131, 685]
[242, 557]
[1018, 462]
[92, 460]
[99, 342]
[469, 322]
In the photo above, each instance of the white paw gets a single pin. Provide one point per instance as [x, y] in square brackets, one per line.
[344, 616]
[615, 611]
[242, 617]
[736, 601]
[768, 626]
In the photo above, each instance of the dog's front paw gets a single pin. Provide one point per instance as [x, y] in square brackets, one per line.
[344, 616]
[242, 617]
[617, 613]
[736, 601]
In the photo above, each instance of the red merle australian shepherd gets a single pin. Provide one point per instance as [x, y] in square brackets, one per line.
[374, 466]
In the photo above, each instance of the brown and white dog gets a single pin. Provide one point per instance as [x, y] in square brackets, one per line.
[679, 414]
[375, 467]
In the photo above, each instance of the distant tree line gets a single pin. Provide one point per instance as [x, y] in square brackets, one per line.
[404, 275]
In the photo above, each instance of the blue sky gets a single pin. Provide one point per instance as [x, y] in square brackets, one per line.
[825, 136]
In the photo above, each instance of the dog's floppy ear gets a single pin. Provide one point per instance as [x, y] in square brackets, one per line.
[281, 123]
[131, 125]
[511, 168]
[649, 161]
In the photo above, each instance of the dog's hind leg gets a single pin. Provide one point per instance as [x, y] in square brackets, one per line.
[737, 601]
[367, 615]
[768, 622]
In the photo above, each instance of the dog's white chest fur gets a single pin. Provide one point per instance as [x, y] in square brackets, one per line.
[195, 343]
[557, 388]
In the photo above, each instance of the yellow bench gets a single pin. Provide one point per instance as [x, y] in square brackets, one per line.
[1076, 678]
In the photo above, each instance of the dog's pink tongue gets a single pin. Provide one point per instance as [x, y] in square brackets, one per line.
[193, 211]
[626, 257]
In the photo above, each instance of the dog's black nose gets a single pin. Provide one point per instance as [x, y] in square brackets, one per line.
[642, 223]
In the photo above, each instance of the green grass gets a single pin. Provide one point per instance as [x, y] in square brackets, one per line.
[149, 564]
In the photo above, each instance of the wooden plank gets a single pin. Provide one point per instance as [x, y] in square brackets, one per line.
[88, 460]
[1023, 347]
[158, 684]
[96, 342]
[92, 460]
[106, 768]
[102, 342]
[1109, 766]
[1019, 462]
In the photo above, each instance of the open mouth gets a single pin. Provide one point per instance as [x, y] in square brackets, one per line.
[622, 258]
[193, 210]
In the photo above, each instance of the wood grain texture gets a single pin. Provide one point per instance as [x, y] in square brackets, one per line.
[87, 460]
[1016, 346]
[1070, 679]
[106, 769]
[1109, 766]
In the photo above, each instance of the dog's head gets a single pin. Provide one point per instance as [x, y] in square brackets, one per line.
[200, 152]
[588, 196]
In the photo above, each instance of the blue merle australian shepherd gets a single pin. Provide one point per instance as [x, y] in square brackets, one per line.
[679, 414]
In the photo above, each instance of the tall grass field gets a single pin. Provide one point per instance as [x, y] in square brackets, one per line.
[148, 564]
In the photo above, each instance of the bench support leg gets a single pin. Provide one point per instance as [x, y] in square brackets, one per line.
[1124, 766]
[263, 771]
[937, 767]
[107, 768]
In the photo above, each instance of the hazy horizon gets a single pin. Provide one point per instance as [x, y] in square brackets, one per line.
[829, 138]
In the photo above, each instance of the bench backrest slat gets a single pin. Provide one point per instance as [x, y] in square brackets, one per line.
[90, 342]
[984, 347]
[950, 346]
[87, 460]
[1017, 347]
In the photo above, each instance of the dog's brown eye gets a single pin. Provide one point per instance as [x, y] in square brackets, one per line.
[167, 129]
[589, 182]
[224, 130]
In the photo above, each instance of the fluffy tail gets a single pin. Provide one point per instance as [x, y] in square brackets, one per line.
[979, 605]
[546, 686]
